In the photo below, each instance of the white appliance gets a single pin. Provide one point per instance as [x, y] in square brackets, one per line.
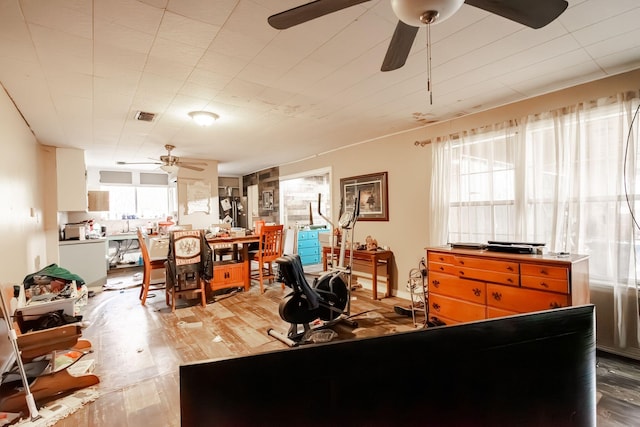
[87, 259]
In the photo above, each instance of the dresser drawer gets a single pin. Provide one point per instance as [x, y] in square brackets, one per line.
[309, 251]
[498, 266]
[440, 257]
[308, 243]
[545, 284]
[306, 235]
[443, 268]
[523, 300]
[546, 271]
[467, 290]
[461, 311]
[498, 312]
[511, 279]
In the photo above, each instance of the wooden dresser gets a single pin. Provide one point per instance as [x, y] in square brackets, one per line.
[468, 284]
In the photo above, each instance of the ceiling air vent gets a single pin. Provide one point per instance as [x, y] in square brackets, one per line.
[144, 116]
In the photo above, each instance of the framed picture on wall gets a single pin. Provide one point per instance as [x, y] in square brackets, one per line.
[267, 200]
[374, 204]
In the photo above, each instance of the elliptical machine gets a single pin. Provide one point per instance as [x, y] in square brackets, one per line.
[328, 300]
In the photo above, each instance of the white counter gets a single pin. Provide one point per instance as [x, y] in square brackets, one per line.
[81, 242]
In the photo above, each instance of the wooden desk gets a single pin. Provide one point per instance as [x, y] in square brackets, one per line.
[246, 270]
[369, 263]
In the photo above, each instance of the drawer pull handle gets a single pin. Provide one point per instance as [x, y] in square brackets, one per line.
[441, 268]
[554, 304]
[497, 296]
[510, 280]
[441, 258]
[436, 306]
[509, 268]
[477, 292]
[544, 284]
[544, 272]
[461, 262]
[436, 283]
[462, 273]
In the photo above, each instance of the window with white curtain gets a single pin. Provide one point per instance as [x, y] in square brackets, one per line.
[565, 178]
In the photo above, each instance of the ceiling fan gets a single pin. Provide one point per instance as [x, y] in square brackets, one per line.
[414, 13]
[169, 163]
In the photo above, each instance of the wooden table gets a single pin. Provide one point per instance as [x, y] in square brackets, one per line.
[370, 260]
[235, 241]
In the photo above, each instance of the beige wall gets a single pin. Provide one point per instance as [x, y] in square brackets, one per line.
[24, 246]
[409, 167]
[208, 176]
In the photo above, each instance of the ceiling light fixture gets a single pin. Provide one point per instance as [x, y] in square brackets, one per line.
[204, 118]
[170, 169]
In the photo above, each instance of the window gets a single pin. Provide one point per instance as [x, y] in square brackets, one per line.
[565, 178]
[147, 202]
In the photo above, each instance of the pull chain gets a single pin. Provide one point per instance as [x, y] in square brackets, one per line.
[429, 63]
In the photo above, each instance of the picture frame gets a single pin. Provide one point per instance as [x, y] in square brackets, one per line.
[267, 200]
[374, 195]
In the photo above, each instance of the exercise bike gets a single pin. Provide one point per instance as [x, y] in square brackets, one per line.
[328, 300]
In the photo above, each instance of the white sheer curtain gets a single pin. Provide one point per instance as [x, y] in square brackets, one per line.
[562, 177]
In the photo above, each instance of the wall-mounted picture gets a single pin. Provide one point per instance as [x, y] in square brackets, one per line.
[373, 191]
[267, 200]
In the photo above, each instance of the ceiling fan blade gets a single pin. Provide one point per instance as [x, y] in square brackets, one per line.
[532, 13]
[400, 46]
[309, 11]
[138, 163]
[191, 163]
[188, 166]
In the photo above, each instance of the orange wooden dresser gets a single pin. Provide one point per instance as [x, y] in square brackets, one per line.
[470, 284]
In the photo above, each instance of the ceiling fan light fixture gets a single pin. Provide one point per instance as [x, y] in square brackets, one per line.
[204, 118]
[413, 12]
[170, 169]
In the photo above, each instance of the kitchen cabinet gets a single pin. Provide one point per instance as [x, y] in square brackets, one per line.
[467, 285]
[98, 201]
[71, 175]
[87, 259]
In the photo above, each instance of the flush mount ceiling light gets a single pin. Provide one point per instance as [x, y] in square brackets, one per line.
[204, 118]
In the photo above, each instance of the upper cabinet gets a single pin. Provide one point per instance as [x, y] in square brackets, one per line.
[98, 201]
[71, 174]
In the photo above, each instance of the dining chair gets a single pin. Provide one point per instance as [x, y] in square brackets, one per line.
[270, 248]
[148, 265]
[189, 265]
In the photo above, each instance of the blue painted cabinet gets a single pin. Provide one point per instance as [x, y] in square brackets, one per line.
[309, 246]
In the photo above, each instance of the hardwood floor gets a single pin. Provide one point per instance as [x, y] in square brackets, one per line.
[138, 350]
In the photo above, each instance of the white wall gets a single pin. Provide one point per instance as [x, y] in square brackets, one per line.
[22, 212]
[24, 248]
[209, 176]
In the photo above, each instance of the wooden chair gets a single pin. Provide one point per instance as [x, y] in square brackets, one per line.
[149, 265]
[270, 248]
[189, 265]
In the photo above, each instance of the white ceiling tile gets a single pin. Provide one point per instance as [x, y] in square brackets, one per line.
[130, 14]
[187, 31]
[73, 17]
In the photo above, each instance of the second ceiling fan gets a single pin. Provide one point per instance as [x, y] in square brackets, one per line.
[414, 13]
[170, 163]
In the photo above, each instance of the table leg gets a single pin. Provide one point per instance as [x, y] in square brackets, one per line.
[374, 279]
[247, 267]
